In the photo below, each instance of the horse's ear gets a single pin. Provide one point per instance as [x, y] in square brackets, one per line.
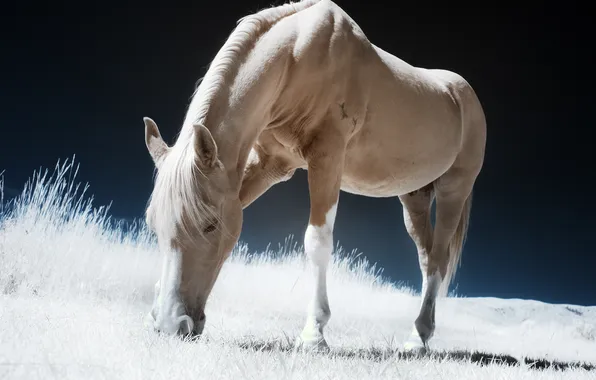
[205, 146]
[155, 144]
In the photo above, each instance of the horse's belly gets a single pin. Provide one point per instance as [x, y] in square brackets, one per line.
[384, 161]
[374, 175]
[387, 186]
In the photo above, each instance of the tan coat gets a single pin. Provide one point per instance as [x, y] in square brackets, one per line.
[300, 86]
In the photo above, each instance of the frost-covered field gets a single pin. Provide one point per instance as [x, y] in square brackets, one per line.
[74, 291]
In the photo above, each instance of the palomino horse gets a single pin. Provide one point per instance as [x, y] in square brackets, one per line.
[300, 86]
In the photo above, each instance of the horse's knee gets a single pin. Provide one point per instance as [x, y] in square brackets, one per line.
[318, 238]
[318, 243]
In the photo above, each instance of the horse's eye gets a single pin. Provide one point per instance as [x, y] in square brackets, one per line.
[210, 228]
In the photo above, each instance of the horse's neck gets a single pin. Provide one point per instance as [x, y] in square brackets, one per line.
[239, 112]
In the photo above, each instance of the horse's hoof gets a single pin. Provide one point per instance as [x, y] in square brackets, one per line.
[415, 346]
[311, 340]
[415, 349]
[317, 345]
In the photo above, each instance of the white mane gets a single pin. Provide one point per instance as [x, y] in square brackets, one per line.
[214, 87]
[175, 200]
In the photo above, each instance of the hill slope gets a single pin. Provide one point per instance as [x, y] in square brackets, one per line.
[74, 290]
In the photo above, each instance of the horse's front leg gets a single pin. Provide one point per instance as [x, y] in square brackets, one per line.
[263, 171]
[325, 165]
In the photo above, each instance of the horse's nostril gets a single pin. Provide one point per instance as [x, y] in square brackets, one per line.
[185, 325]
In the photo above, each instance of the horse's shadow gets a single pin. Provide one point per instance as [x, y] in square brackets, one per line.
[377, 354]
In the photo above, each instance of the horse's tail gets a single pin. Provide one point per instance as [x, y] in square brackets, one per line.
[456, 246]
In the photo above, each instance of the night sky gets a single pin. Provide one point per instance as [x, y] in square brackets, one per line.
[77, 79]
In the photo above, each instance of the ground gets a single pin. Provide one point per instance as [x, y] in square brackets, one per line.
[74, 290]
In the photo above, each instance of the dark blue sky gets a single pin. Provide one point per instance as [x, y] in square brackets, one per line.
[78, 78]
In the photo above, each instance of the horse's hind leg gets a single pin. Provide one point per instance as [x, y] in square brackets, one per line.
[453, 192]
[416, 212]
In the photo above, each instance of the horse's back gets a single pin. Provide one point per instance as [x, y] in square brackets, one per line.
[402, 124]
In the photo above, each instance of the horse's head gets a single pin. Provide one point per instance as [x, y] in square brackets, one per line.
[197, 216]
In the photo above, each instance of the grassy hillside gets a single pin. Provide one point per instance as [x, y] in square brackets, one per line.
[75, 286]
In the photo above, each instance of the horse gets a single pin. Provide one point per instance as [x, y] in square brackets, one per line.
[300, 86]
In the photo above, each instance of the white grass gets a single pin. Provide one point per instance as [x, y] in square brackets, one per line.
[74, 290]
